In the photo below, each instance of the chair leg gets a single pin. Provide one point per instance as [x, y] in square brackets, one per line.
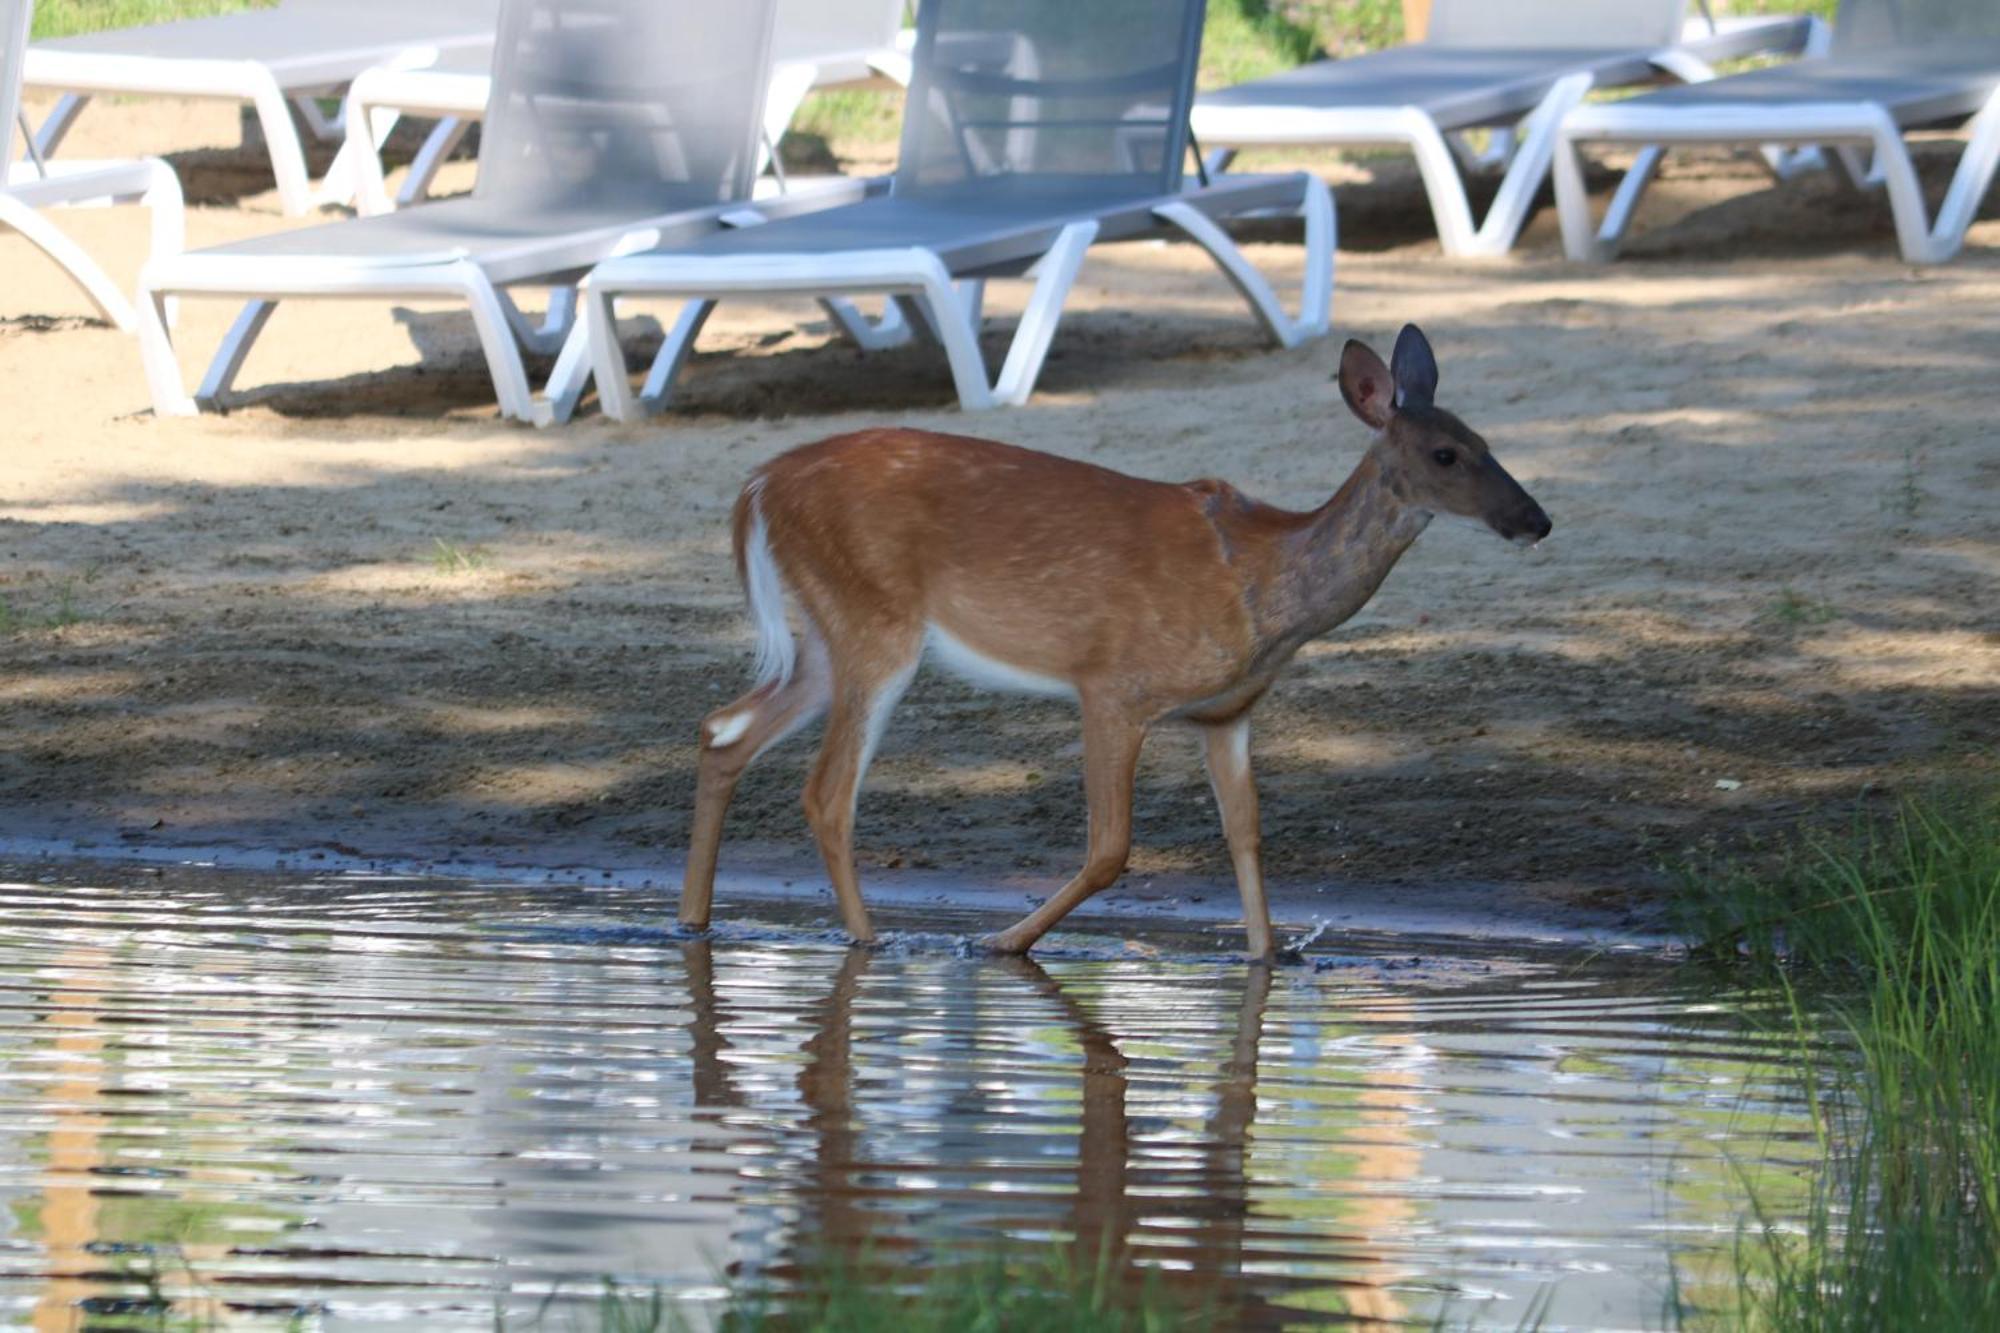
[1038, 322]
[168, 213]
[82, 269]
[607, 354]
[1973, 177]
[674, 354]
[1583, 242]
[1624, 204]
[1935, 242]
[281, 139]
[368, 128]
[50, 134]
[567, 381]
[496, 337]
[549, 336]
[1316, 297]
[156, 354]
[1457, 232]
[323, 127]
[892, 330]
[442, 142]
[229, 357]
[788, 87]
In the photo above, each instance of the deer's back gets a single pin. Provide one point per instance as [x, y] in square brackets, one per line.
[1051, 564]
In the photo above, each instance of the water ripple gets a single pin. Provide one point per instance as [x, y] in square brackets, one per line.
[391, 1102]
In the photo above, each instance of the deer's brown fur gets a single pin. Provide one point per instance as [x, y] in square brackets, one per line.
[1146, 600]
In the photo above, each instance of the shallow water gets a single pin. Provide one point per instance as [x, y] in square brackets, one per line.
[402, 1103]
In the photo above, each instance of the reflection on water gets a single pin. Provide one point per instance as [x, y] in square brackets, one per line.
[398, 1103]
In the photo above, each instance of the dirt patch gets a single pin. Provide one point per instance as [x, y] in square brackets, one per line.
[359, 611]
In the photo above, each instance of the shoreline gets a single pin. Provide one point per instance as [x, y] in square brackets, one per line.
[1487, 913]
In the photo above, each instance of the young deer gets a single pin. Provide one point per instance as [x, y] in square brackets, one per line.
[1142, 600]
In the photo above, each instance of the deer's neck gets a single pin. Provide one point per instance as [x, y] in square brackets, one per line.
[1339, 554]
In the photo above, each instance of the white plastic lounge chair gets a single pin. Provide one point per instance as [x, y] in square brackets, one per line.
[1032, 129]
[33, 184]
[615, 125]
[1513, 66]
[818, 44]
[1892, 66]
[273, 59]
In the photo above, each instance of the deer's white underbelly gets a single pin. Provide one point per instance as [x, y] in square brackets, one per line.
[989, 673]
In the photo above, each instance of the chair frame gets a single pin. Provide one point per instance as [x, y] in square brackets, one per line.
[272, 91]
[34, 183]
[1523, 150]
[927, 296]
[1869, 145]
[456, 99]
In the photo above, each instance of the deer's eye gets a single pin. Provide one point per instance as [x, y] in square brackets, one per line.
[1443, 457]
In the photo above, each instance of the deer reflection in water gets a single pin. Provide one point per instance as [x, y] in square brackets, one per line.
[1133, 1200]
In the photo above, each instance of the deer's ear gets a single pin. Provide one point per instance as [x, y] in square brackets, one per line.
[1366, 384]
[1415, 368]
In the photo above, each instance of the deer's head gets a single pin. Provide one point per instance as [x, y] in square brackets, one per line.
[1434, 461]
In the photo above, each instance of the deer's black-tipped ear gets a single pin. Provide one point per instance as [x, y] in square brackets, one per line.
[1366, 385]
[1414, 368]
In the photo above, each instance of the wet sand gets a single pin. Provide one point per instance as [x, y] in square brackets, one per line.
[359, 613]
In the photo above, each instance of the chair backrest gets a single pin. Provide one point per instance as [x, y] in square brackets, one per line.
[653, 104]
[1575, 24]
[808, 28]
[1874, 25]
[1077, 89]
[15, 18]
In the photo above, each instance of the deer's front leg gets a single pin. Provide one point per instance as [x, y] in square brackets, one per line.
[1110, 762]
[1236, 797]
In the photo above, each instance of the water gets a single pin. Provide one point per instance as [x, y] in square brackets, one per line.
[394, 1103]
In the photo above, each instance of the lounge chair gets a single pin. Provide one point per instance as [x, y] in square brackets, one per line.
[273, 59]
[615, 125]
[33, 184]
[1032, 130]
[1892, 66]
[819, 43]
[1515, 67]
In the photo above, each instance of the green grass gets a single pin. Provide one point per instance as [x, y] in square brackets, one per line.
[1885, 943]
[64, 18]
[1793, 607]
[1243, 39]
[451, 558]
[49, 611]
[999, 1292]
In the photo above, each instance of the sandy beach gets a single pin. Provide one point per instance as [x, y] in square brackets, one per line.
[361, 612]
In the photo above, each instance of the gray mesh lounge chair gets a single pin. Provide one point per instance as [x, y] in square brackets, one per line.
[818, 44]
[1892, 66]
[273, 59]
[1032, 129]
[1493, 64]
[33, 184]
[615, 125]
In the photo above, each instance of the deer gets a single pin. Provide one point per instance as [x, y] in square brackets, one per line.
[1146, 602]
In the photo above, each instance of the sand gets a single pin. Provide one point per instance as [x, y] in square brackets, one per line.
[360, 612]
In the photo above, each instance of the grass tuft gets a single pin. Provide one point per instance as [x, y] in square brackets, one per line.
[451, 558]
[1884, 943]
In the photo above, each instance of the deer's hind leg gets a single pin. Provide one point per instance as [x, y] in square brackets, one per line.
[1111, 741]
[865, 691]
[731, 737]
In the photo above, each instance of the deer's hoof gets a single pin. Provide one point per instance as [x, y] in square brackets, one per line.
[1005, 942]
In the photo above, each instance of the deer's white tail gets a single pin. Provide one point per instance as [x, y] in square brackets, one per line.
[764, 589]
